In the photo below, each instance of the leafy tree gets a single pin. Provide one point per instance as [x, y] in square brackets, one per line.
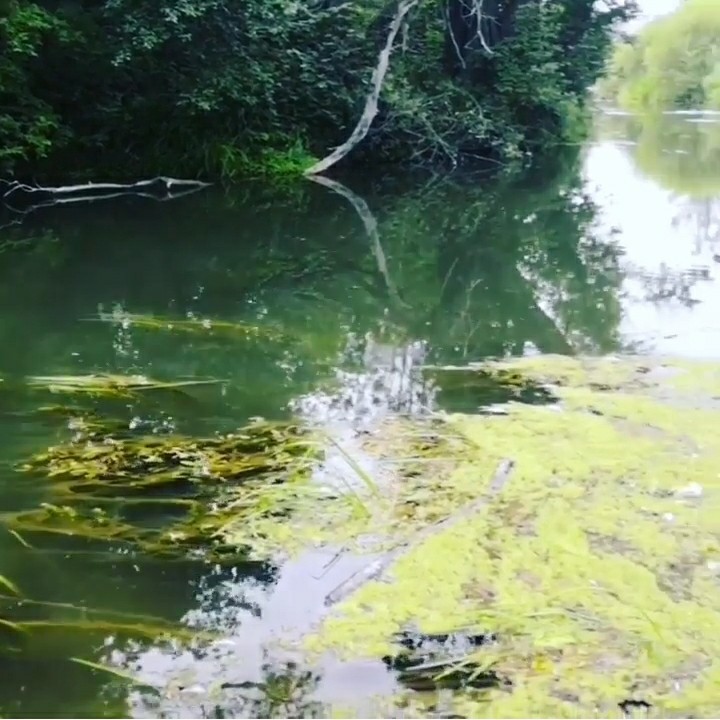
[245, 86]
[32, 126]
[673, 64]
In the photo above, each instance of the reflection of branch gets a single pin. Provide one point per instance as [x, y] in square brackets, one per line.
[370, 224]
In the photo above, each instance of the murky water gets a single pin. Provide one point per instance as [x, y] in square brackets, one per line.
[353, 288]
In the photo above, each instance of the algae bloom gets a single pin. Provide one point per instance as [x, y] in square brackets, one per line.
[591, 579]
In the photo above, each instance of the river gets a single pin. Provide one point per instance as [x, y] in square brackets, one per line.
[610, 250]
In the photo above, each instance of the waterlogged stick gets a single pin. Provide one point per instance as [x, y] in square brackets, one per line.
[23, 199]
[376, 569]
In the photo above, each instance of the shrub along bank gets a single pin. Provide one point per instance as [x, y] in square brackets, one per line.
[231, 87]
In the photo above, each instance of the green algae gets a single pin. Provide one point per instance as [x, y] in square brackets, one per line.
[170, 495]
[592, 569]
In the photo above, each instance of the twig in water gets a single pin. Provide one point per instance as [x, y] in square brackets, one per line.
[31, 197]
[376, 569]
[332, 561]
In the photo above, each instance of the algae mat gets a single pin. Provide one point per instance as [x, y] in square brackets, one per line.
[594, 575]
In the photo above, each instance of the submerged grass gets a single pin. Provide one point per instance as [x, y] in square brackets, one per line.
[594, 574]
[189, 325]
[9, 585]
[114, 672]
[108, 385]
[58, 638]
[171, 495]
[111, 488]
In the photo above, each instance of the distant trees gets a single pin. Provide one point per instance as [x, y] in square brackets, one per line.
[673, 64]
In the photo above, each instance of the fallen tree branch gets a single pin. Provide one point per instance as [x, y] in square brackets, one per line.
[378, 568]
[371, 103]
[159, 188]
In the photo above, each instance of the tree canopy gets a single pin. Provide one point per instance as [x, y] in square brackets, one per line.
[242, 86]
[674, 63]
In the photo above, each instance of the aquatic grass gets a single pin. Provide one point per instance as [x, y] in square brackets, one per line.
[103, 628]
[115, 672]
[20, 539]
[367, 480]
[58, 638]
[106, 621]
[9, 585]
[86, 610]
[359, 503]
[198, 326]
[103, 486]
[13, 626]
[109, 385]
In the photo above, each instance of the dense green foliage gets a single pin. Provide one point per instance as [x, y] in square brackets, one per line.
[673, 64]
[228, 87]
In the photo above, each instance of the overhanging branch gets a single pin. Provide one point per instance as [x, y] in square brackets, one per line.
[371, 102]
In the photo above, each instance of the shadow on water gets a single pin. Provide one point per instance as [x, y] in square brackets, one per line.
[334, 304]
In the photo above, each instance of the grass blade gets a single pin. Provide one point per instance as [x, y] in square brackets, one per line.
[127, 677]
[11, 586]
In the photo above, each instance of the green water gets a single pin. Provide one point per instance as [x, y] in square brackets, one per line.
[611, 249]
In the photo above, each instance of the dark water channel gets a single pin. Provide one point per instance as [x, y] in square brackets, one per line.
[614, 249]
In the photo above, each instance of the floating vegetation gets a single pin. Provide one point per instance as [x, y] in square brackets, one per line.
[206, 326]
[170, 495]
[108, 385]
[473, 388]
[595, 571]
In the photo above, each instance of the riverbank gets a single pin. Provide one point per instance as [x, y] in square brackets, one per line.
[268, 90]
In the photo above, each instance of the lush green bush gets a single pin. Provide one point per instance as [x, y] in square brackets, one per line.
[29, 124]
[673, 64]
[237, 87]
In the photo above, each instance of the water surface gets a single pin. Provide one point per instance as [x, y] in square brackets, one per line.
[615, 249]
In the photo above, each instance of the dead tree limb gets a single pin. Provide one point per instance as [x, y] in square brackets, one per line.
[377, 569]
[21, 196]
[371, 102]
[478, 12]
